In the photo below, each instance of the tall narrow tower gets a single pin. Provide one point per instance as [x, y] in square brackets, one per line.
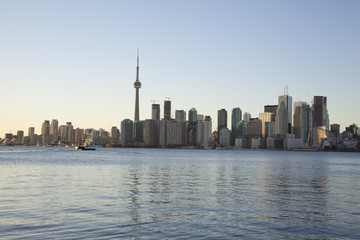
[137, 86]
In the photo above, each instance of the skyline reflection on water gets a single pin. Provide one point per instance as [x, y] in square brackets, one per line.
[59, 193]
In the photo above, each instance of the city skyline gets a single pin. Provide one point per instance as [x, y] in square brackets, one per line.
[221, 55]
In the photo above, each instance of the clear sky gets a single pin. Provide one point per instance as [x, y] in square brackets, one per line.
[76, 60]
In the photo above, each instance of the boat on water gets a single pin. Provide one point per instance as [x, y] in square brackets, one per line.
[86, 146]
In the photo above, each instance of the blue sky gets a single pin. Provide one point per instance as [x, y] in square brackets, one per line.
[75, 60]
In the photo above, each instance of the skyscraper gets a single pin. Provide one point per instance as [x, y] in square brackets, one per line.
[271, 109]
[180, 115]
[138, 128]
[126, 132]
[170, 132]
[281, 121]
[155, 112]
[115, 133]
[54, 129]
[265, 117]
[151, 132]
[45, 128]
[236, 116]
[288, 105]
[320, 113]
[69, 136]
[222, 121]
[247, 116]
[191, 128]
[335, 130]
[298, 112]
[63, 133]
[79, 136]
[254, 128]
[20, 136]
[167, 109]
[192, 115]
[204, 133]
[31, 132]
[305, 123]
[45, 132]
[137, 86]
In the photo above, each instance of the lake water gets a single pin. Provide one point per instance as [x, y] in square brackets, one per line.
[59, 193]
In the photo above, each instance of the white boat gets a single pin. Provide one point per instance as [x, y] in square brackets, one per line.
[86, 146]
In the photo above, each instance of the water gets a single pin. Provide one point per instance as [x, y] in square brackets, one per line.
[59, 193]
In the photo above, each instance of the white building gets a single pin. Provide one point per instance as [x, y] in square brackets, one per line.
[204, 132]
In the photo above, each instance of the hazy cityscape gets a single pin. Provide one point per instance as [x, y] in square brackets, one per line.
[199, 120]
[287, 125]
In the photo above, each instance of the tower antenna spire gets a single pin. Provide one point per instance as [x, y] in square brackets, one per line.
[137, 66]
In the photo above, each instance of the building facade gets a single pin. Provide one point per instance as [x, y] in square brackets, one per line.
[155, 112]
[204, 132]
[126, 132]
[236, 116]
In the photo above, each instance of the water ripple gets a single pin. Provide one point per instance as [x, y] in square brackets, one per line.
[177, 194]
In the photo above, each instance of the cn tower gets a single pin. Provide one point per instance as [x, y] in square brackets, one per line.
[137, 86]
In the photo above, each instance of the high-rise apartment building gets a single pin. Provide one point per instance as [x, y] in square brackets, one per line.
[115, 133]
[20, 136]
[222, 120]
[247, 116]
[151, 133]
[199, 117]
[180, 115]
[236, 116]
[155, 112]
[170, 132]
[192, 115]
[79, 136]
[63, 133]
[126, 132]
[138, 134]
[191, 133]
[70, 135]
[45, 128]
[45, 132]
[31, 131]
[167, 109]
[204, 132]
[241, 129]
[54, 130]
[224, 137]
